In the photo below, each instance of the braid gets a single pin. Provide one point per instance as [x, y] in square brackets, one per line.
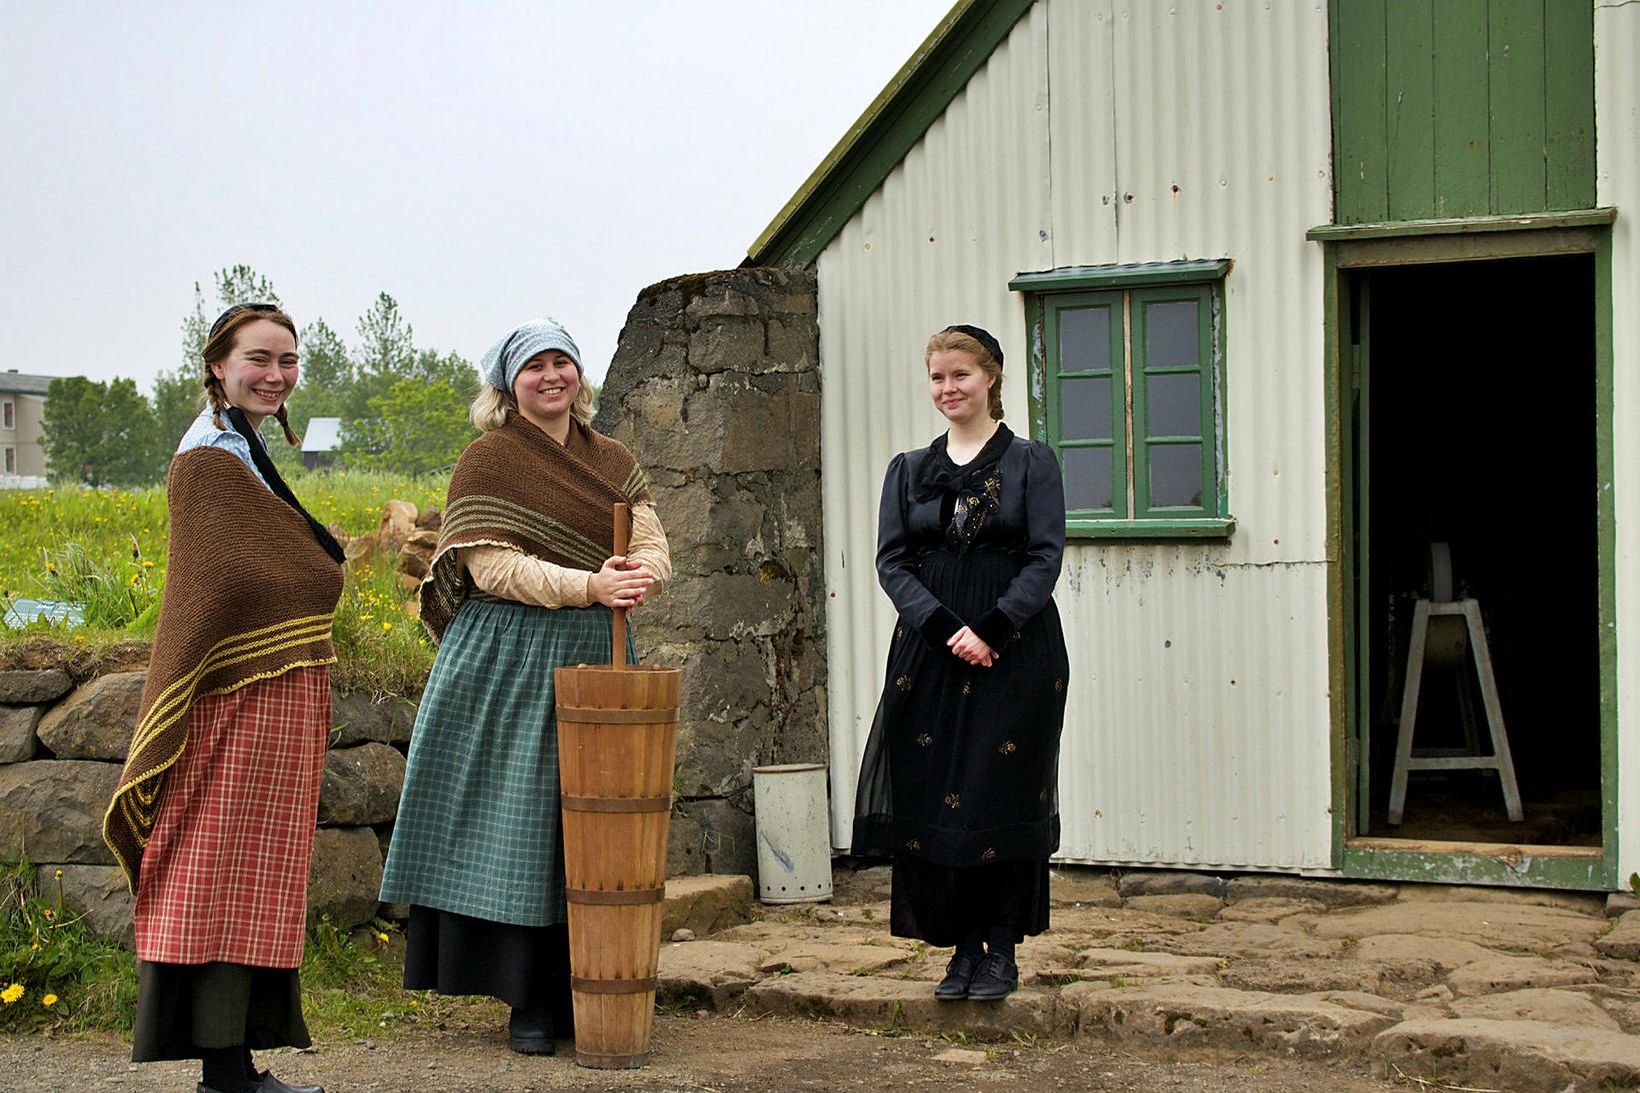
[284, 423]
[214, 398]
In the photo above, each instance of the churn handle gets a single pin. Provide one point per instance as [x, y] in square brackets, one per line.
[623, 524]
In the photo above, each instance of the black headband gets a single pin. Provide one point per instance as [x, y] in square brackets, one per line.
[982, 336]
[234, 310]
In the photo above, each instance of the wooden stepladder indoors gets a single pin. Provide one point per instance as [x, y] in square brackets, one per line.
[1444, 630]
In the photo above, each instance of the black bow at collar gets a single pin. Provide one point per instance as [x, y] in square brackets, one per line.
[938, 475]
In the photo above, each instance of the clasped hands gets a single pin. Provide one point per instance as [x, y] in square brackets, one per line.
[972, 648]
[620, 582]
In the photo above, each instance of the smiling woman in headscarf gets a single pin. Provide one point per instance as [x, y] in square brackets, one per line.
[523, 580]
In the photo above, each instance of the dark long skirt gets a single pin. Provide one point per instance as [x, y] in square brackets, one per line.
[520, 965]
[959, 782]
[945, 906]
[184, 1010]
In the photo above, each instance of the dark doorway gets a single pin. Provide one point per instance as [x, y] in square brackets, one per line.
[1475, 426]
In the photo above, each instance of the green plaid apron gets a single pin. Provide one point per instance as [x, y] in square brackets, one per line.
[478, 829]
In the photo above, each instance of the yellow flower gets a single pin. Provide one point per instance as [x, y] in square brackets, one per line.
[49, 913]
[381, 937]
[387, 627]
[59, 872]
[34, 948]
[49, 1000]
[11, 993]
[147, 565]
[79, 637]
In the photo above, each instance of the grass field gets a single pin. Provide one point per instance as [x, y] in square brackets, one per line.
[105, 550]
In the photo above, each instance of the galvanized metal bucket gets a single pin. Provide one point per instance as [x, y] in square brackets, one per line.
[793, 833]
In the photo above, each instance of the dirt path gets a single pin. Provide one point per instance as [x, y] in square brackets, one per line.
[699, 1053]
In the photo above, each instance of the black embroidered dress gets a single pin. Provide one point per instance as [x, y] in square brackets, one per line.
[959, 777]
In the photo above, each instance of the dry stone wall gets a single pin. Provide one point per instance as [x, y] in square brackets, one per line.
[62, 743]
[715, 386]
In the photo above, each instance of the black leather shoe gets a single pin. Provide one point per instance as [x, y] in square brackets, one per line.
[267, 1083]
[529, 1031]
[958, 974]
[997, 977]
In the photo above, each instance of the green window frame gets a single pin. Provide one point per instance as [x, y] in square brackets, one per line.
[1127, 386]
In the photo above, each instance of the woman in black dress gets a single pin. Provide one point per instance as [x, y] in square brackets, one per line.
[959, 780]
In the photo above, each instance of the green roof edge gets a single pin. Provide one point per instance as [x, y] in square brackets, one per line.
[876, 143]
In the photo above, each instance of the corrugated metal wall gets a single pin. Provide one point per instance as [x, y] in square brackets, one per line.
[1617, 125]
[1105, 132]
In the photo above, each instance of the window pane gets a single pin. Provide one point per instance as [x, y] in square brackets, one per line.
[1087, 477]
[1170, 333]
[1084, 339]
[1175, 475]
[1084, 409]
[1173, 404]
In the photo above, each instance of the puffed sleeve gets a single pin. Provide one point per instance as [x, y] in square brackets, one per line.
[648, 544]
[897, 568]
[512, 575]
[1031, 589]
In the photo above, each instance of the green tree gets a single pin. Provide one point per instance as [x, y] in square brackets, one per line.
[418, 426]
[327, 370]
[176, 401]
[451, 368]
[386, 353]
[101, 434]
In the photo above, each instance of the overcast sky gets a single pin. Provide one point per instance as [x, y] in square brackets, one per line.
[484, 163]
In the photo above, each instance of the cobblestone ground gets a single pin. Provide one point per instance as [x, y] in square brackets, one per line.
[1486, 988]
[1146, 981]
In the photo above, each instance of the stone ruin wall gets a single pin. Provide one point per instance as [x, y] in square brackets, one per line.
[715, 386]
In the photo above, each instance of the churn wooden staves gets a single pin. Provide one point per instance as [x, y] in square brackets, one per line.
[617, 734]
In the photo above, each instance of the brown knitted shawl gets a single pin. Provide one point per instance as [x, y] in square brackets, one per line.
[249, 595]
[518, 488]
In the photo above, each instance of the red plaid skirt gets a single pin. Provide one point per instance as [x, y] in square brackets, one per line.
[225, 873]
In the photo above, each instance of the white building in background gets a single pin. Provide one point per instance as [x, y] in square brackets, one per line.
[22, 410]
[321, 441]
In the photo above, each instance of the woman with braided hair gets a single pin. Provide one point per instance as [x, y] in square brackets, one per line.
[959, 779]
[523, 580]
[212, 821]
